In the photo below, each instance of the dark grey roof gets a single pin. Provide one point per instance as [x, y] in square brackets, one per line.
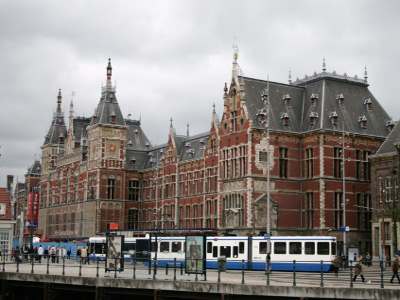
[392, 139]
[79, 127]
[57, 128]
[136, 139]
[136, 159]
[35, 169]
[316, 99]
[194, 146]
[108, 110]
[154, 156]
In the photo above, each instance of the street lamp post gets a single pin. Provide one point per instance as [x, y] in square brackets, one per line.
[263, 119]
[396, 198]
[344, 192]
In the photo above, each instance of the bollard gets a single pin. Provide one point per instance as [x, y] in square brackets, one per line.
[32, 264]
[219, 275]
[134, 267]
[63, 273]
[381, 263]
[175, 269]
[115, 268]
[149, 264]
[196, 278]
[17, 264]
[97, 267]
[205, 269]
[268, 277]
[294, 273]
[242, 271]
[155, 269]
[181, 268]
[351, 275]
[166, 269]
[80, 267]
[47, 265]
[4, 263]
[322, 274]
[266, 265]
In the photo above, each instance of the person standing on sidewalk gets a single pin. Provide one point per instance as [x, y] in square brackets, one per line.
[40, 253]
[395, 269]
[358, 270]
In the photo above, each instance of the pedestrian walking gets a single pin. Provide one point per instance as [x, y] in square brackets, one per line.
[395, 269]
[40, 253]
[358, 271]
[336, 264]
[69, 253]
[53, 254]
[83, 255]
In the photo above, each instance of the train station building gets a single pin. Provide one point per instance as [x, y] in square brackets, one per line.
[322, 130]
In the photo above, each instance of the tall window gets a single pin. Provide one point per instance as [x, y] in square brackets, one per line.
[358, 164]
[111, 188]
[309, 167]
[283, 162]
[132, 218]
[133, 190]
[338, 209]
[337, 162]
[309, 210]
[366, 165]
[233, 210]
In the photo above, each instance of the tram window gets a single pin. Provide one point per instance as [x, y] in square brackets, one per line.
[176, 247]
[295, 248]
[333, 248]
[309, 248]
[280, 248]
[225, 251]
[129, 246]
[323, 248]
[164, 247]
[235, 251]
[153, 246]
[262, 248]
[241, 247]
[215, 251]
[209, 247]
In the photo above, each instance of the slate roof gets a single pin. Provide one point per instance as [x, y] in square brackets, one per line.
[194, 146]
[35, 169]
[316, 98]
[108, 107]
[57, 128]
[393, 138]
[79, 127]
[136, 139]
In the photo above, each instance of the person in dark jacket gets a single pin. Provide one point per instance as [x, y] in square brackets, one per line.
[395, 269]
[358, 271]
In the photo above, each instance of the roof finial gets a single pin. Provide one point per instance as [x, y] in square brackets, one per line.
[213, 106]
[235, 66]
[71, 107]
[323, 65]
[187, 129]
[235, 50]
[59, 97]
[170, 123]
[365, 74]
[109, 69]
[290, 76]
[225, 89]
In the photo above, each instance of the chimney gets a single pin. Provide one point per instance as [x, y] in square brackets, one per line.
[10, 181]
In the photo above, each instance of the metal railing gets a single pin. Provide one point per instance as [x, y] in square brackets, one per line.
[378, 275]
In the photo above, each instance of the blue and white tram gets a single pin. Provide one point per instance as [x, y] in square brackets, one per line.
[307, 251]
[98, 248]
[168, 249]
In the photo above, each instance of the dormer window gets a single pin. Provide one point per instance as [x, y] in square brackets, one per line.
[147, 145]
[286, 99]
[333, 116]
[340, 99]
[190, 152]
[313, 118]
[136, 131]
[130, 143]
[285, 119]
[161, 151]
[314, 98]
[187, 145]
[389, 125]
[363, 121]
[133, 161]
[368, 103]
[202, 141]
[113, 119]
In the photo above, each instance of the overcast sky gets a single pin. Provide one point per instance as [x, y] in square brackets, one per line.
[171, 58]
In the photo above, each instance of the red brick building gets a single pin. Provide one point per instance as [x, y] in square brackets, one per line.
[104, 170]
[6, 221]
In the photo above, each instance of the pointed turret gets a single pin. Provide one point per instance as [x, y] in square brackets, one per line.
[57, 130]
[323, 65]
[365, 74]
[290, 77]
[108, 111]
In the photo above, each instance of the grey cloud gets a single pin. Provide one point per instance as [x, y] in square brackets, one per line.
[171, 58]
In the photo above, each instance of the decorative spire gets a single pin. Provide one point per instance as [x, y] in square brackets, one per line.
[187, 129]
[71, 107]
[323, 65]
[365, 74]
[290, 76]
[170, 123]
[213, 106]
[59, 98]
[225, 89]
[109, 74]
[235, 66]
